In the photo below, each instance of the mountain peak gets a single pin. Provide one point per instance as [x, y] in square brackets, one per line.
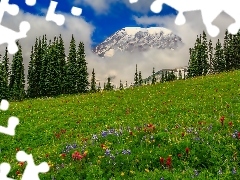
[151, 30]
[138, 39]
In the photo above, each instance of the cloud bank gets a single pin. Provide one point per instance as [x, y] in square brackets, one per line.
[122, 65]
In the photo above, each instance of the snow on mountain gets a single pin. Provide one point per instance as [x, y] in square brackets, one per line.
[138, 39]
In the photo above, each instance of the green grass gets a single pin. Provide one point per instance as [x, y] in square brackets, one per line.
[171, 107]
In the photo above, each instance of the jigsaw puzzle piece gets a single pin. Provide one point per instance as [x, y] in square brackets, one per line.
[10, 130]
[4, 170]
[4, 105]
[31, 171]
[30, 2]
[9, 36]
[59, 19]
[12, 9]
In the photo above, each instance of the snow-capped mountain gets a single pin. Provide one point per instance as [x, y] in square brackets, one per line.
[138, 39]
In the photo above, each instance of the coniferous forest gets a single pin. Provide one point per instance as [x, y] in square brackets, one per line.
[51, 72]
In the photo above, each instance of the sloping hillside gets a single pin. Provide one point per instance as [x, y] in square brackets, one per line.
[189, 123]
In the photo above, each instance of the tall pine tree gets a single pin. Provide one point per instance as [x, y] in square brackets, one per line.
[136, 77]
[72, 68]
[17, 81]
[82, 74]
[153, 77]
[93, 83]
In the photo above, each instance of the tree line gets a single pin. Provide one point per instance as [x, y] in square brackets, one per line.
[51, 72]
[208, 59]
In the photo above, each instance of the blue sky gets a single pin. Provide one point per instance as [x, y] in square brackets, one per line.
[119, 15]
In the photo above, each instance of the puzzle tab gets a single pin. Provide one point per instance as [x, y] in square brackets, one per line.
[209, 14]
[31, 171]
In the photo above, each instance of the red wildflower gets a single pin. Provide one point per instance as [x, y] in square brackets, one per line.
[179, 155]
[63, 155]
[18, 172]
[21, 163]
[169, 161]
[183, 134]
[230, 123]
[238, 135]
[77, 156]
[131, 133]
[161, 160]
[187, 150]
[222, 119]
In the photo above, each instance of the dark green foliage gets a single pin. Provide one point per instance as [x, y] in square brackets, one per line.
[108, 86]
[93, 88]
[204, 53]
[4, 93]
[5, 73]
[210, 55]
[17, 81]
[162, 77]
[82, 74]
[121, 85]
[99, 87]
[136, 77]
[140, 80]
[219, 63]
[153, 77]
[62, 65]
[31, 77]
[72, 68]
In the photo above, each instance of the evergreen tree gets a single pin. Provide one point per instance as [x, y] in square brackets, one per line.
[136, 77]
[71, 68]
[193, 63]
[153, 77]
[179, 74]
[93, 82]
[62, 65]
[126, 84]
[162, 77]
[4, 94]
[108, 85]
[166, 76]
[210, 55]
[140, 80]
[204, 53]
[46, 60]
[219, 64]
[121, 85]
[82, 75]
[31, 77]
[17, 81]
[6, 73]
[104, 86]
[99, 87]
[227, 50]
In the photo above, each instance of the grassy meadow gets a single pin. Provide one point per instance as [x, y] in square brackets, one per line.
[175, 130]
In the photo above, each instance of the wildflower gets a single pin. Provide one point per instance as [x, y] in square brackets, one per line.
[161, 160]
[122, 174]
[21, 163]
[220, 171]
[196, 172]
[131, 133]
[107, 152]
[179, 155]
[187, 150]
[169, 162]
[183, 134]
[234, 171]
[63, 155]
[230, 123]
[146, 170]
[222, 119]
[94, 137]
[18, 172]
